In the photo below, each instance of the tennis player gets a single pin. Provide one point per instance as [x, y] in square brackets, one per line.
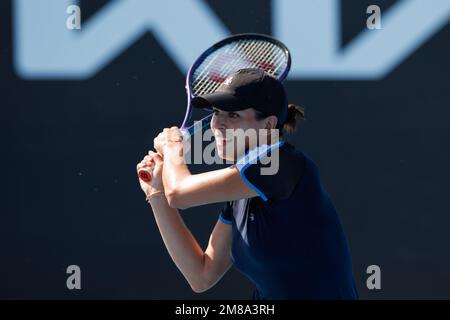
[281, 230]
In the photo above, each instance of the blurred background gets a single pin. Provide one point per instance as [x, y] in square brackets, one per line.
[79, 109]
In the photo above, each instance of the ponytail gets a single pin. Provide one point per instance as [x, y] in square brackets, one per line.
[295, 115]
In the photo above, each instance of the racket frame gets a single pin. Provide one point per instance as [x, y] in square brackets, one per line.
[214, 47]
[187, 131]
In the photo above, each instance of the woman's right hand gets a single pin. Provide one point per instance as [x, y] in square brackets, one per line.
[154, 162]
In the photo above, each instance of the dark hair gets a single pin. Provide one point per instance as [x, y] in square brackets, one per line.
[295, 115]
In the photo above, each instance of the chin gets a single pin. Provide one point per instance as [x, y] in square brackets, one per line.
[228, 152]
[221, 155]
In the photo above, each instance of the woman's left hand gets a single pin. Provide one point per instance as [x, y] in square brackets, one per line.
[168, 137]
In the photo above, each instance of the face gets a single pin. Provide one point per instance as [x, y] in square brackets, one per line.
[235, 132]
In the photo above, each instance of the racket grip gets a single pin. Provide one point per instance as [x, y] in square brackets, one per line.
[145, 174]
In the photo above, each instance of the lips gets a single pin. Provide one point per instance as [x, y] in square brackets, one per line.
[221, 137]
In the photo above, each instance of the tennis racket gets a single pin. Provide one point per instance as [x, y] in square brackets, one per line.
[212, 67]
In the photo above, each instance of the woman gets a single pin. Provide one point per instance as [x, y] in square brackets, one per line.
[280, 229]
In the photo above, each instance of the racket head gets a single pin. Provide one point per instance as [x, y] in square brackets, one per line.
[247, 50]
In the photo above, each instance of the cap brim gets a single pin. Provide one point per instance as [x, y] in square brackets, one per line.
[222, 100]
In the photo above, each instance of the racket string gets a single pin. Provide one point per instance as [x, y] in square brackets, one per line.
[235, 56]
[220, 75]
[203, 83]
[201, 78]
[243, 54]
[231, 61]
[255, 51]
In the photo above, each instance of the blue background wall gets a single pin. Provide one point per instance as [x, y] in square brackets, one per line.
[70, 195]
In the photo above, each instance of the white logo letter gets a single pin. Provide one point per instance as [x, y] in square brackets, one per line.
[374, 281]
[74, 280]
[374, 21]
[74, 20]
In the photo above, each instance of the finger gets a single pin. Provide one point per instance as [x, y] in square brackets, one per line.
[152, 154]
[145, 165]
[141, 166]
[159, 148]
[158, 159]
[150, 165]
[149, 158]
[150, 162]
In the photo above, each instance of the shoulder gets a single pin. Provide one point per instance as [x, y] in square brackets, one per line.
[273, 171]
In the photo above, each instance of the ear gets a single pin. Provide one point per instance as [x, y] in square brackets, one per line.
[271, 122]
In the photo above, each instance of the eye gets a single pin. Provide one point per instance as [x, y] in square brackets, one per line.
[233, 115]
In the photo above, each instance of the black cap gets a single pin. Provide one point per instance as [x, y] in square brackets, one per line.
[248, 88]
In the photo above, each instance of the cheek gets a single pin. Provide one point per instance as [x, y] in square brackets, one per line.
[257, 124]
[213, 123]
[250, 125]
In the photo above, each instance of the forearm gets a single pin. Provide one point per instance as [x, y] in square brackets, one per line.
[179, 241]
[185, 190]
[174, 169]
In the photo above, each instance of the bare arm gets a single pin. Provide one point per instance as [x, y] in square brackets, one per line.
[185, 190]
[202, 269]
